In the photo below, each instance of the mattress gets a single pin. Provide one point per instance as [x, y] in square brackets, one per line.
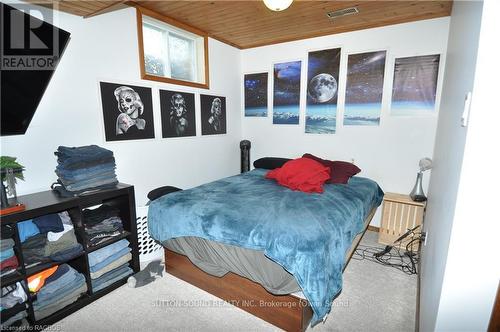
[217, 259]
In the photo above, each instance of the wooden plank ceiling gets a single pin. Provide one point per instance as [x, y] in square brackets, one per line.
[247, 24]
[83, 8]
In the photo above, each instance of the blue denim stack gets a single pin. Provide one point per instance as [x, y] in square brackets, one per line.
[84, 169]
[110, 264]
[61, 289]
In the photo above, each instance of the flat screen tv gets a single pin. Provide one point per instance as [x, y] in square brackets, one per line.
[30, 51]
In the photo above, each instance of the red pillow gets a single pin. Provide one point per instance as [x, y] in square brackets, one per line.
[340, 171]
[301, 174]
[324, 162]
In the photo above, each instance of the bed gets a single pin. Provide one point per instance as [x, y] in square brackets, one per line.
[276, 253]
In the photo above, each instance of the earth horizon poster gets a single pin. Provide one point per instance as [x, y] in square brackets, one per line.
[415, 85]
[255, 94]
[364, 88]
[286, 95]
[322, 91]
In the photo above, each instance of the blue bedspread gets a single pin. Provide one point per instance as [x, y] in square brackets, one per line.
[307, 234]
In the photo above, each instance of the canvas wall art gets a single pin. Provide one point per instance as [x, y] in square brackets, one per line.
[255, 94]
[177, 114]
[322, 91]
[127, 111]
[365, 85]
[415, 85]
[286, 96]
[213, 115]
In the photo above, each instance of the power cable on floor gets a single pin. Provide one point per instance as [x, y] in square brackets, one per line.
[401, 256]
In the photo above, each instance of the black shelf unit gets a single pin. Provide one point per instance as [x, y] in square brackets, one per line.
[46, 202]
[12, 278]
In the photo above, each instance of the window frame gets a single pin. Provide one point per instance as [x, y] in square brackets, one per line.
[140, 12]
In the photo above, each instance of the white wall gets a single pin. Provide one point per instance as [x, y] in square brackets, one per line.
[388, 153]
[472, 272]
[448, 153]
[460, 262]
[105, 48]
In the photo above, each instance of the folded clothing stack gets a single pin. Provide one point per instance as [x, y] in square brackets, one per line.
[110, 264]
[8, 259]
[55, 289]
[84, 169]
[48, 238]
[13, 305]
[102, 224]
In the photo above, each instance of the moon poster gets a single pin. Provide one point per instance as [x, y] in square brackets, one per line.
[365, 84]
[177, 114]
[415, 84]
[322, 86]
[286, 97]
[127, 111]
[256, 94]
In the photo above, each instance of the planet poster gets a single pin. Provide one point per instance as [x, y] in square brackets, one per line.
[322, 87]
[365, 84]
[415, 85]
[286, 96]
[256, 94]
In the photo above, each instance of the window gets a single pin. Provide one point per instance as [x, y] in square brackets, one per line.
[170, 51]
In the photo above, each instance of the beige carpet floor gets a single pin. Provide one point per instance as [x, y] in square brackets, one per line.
[374, 298]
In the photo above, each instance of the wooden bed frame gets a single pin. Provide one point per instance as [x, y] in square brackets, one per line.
[287, 312]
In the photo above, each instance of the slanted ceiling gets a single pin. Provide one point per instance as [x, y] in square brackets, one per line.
[246, 24]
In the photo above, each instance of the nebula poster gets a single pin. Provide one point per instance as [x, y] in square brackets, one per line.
[415, 85]
[322, 87]
[255, 94]
[286, 96]
[365, 84]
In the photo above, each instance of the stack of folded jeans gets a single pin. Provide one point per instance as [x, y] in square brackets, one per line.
[110, 264]
[84, 169]
[8, 259]
[49, 238]
[101, 224]
[61, 288]
[12, 305]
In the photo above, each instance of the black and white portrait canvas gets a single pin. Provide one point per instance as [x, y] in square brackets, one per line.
[127, 112]
[177, 114]
[213, 115]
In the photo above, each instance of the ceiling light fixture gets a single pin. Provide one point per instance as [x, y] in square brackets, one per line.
[278, 5]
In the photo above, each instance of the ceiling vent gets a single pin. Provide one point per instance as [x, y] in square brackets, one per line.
[342, 12]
